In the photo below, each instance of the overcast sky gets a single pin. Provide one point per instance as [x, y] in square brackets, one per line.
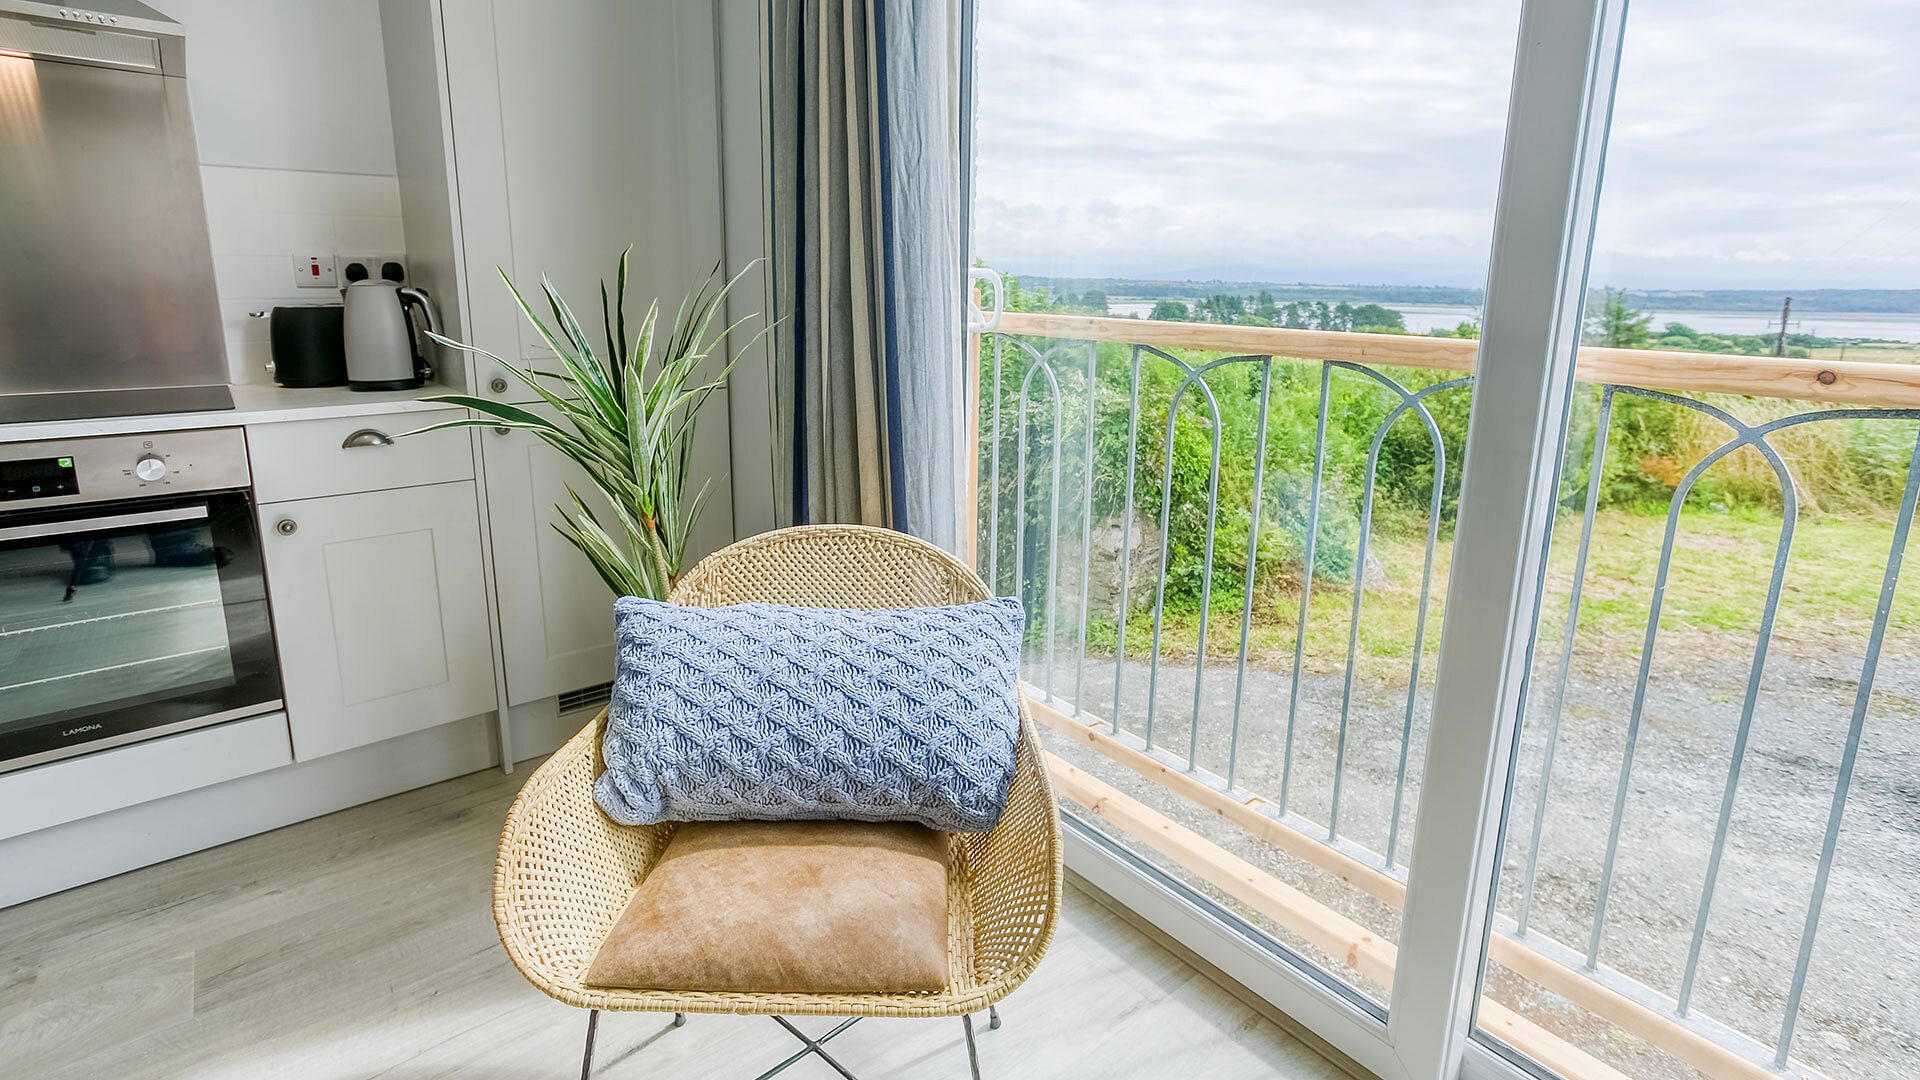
[1755, 144]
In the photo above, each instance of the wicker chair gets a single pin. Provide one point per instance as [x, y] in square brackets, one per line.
[565, 870]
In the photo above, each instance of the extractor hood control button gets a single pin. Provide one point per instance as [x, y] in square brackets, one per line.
[150, 468]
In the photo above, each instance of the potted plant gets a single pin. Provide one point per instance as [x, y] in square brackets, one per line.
[626, 416]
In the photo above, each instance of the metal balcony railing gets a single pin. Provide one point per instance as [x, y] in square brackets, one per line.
[1048, 370]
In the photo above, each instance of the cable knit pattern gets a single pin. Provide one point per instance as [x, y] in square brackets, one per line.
[764, 711]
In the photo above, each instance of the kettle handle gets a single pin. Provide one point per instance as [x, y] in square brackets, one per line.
[410, 296]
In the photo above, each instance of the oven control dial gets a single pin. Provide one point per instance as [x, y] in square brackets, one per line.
[150, 467]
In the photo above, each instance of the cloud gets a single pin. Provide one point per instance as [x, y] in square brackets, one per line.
[1761, 143]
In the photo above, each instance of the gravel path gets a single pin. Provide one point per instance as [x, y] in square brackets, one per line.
[1861, 1011]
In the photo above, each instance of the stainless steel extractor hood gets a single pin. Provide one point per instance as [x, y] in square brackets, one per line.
[107, 302]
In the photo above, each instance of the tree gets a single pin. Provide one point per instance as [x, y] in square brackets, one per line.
[1618, 324]
[1094, 301]
[1374, 317]
[1219, 308]
[1170, 311]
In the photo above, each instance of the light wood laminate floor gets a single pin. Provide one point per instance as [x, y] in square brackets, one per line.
[362, 945]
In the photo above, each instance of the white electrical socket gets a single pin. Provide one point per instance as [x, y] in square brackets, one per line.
[372, 263]
[315, 272]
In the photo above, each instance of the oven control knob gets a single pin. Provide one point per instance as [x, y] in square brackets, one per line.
[149, 468]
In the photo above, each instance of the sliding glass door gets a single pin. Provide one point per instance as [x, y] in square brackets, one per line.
[1468, 611]
[1271, 403]
[1228, 500]
[1710, 828]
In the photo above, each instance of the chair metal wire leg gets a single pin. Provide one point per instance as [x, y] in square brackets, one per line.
[795, 1057]
[593, 1027]
[973, 1052]
[993, 1018]
[814, 1046]
[679, 1019]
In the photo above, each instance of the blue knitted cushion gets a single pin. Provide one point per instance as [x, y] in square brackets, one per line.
[763, 711]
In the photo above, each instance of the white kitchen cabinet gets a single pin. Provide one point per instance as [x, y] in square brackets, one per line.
[380, 613]
[556, 615]
[579, 128]
[553, 135]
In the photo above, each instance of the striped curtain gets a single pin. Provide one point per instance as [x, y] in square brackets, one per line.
[868, 262]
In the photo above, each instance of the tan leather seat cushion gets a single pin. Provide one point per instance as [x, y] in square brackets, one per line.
[786, 907]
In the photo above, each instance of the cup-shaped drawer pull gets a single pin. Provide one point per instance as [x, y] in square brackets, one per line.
[366, 436]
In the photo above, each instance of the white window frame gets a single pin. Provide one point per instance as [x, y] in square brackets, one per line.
[1561, 101]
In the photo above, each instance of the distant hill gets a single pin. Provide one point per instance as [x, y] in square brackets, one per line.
[1195, 289]
[1891, 301]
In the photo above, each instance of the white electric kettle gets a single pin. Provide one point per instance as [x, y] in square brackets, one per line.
[382, 342]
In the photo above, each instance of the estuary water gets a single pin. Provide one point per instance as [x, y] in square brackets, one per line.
[1847, 325]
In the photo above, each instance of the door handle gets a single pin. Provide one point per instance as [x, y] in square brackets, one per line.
[980, 321]
[102, 524]
[366, 436]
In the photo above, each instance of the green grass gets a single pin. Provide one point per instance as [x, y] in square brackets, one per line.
[1716, 587]
[1890, 352]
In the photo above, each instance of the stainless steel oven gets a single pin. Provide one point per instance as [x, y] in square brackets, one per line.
[132, 601]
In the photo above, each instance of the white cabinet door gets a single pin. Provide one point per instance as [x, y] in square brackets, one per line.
[379, 607]
[556, 615]
[563, 164]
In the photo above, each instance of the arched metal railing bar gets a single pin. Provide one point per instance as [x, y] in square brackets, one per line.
[1306, 578]
[1767, 427]
[1253, 552]
[1195, 376]
[993, 478]
[1763, 639]
[1602, 421]
[1434, 503]
[1126, 541]
[1086, 526]
[1745, 435]
[1410, 401]
[1843, 783]
[1042, 363]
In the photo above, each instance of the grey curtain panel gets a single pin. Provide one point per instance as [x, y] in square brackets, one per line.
[868, 262]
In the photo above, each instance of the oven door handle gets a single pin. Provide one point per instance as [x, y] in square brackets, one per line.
[102, 524]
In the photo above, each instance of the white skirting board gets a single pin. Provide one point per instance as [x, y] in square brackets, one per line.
[50, 860]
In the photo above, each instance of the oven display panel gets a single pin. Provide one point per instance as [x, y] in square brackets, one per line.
[37, 478]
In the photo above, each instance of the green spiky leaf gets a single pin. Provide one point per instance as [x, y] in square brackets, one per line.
[624, 410]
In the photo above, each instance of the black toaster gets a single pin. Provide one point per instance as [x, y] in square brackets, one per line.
[309, 348]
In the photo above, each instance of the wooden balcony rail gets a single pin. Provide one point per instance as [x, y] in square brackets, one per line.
[1849, 382]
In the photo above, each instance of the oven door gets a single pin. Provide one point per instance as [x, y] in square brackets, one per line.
[128, 620]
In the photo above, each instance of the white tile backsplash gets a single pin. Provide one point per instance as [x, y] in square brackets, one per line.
[369, 235]
[258, 219]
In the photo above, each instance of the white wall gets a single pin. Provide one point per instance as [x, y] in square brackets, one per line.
[290, 111]
[287, 84]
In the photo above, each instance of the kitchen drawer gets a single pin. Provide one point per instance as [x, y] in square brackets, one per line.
[306, 459]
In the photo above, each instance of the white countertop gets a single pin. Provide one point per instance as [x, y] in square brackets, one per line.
[252, 404]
